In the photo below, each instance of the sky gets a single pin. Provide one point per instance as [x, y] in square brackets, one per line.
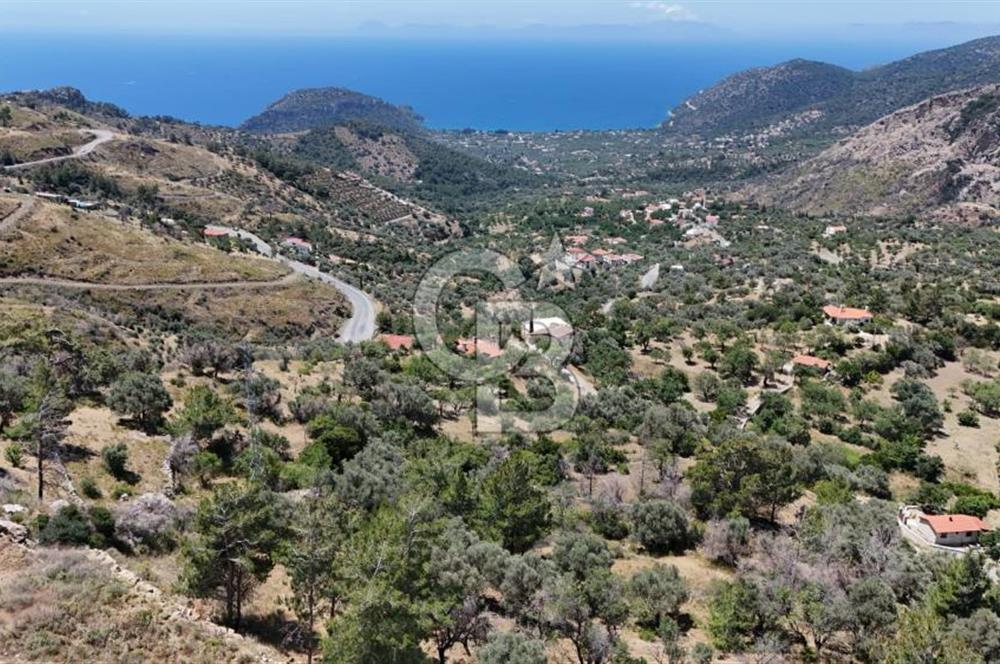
[949, 20]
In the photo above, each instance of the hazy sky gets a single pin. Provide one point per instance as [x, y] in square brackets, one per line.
[947, 17]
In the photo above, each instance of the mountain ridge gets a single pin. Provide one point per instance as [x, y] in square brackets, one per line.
[941, 155]
[833, 97]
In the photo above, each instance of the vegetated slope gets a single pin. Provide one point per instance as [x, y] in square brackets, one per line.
[64, 605]
[942, 154]
[306, 109]
[423, 167]
[821, 97]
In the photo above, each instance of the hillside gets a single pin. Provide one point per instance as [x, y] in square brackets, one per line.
[408, 161]
[941, 152]
[818, 97]
[306, 109]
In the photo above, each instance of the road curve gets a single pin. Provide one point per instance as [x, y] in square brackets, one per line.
[360, 326]
[101, 136]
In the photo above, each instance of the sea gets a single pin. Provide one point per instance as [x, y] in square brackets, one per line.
[453, 84]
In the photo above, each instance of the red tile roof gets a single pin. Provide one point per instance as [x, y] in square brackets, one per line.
[482, 347]
[298, 242]
[811, 361]
[846, 313]
[954, 523]
[397, 341]
[215, 232]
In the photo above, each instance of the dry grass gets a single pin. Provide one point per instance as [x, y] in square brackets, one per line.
[30, 145]
[59, 243]
[160, 159]
[61, 606]
[92, 429]
[299, 309]
[969, 453]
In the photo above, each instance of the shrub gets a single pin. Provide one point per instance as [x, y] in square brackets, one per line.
[511, 648]
[150, 521]
[68, 526]
[14, 454]
[115, 459]
[608, 519]
[968, 418]
[660, 526]
[656, 593]
[89, 488]
[726, 540]
[104, 527]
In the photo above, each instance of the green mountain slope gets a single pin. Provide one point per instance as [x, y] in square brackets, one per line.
[310, 108]
[817, 97]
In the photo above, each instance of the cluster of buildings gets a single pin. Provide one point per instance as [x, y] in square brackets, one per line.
[76, 203]
[578, 257]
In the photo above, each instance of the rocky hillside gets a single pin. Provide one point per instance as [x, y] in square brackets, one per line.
[819, 98]
[940, 155]
[310, 108]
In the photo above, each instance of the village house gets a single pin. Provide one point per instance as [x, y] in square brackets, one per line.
[577, 239]
[397, 342]
[948, 530]
[554, 327]
[298, 245]
[484, 347]
[846, 316]
[80, 204]
[215, 232]
[830, 231]
[808, 362]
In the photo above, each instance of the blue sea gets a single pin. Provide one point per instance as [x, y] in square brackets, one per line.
[453, 84]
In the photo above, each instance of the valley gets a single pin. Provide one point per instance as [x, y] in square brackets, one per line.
[281, 392]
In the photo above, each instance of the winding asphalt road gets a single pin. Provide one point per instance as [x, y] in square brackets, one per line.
[360, 326]
[101, 136]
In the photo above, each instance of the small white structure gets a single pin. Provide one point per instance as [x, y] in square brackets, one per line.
[554, 327]
[830, 231]
[84, 205]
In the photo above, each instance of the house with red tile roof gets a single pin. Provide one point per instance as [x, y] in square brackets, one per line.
[298, 244]
[846, 315]
[215, 231]
[954, 529]
[577, 239]
[397, 342]
[485, 347]
[811, 362]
